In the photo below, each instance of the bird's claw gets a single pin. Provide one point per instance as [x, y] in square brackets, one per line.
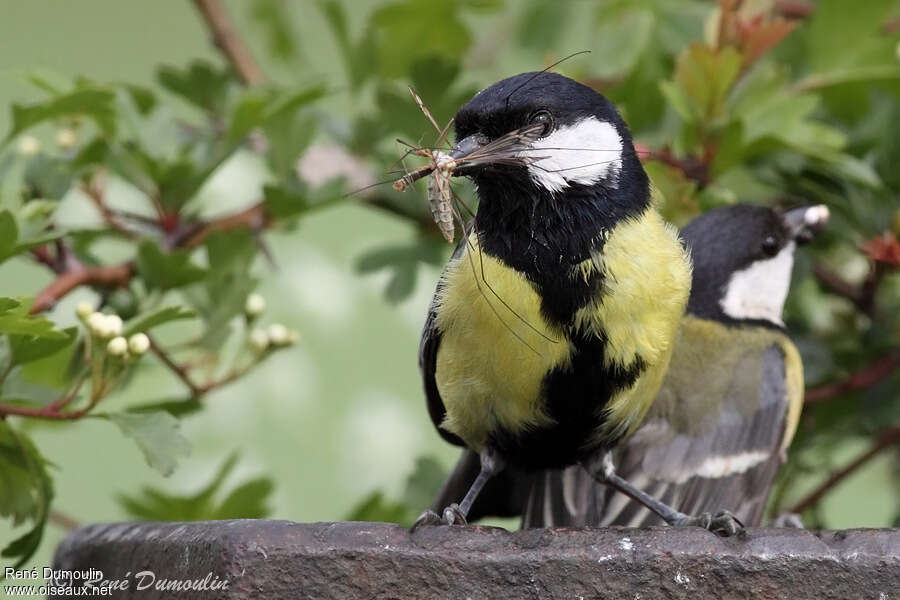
[452, 516]
[723, 523]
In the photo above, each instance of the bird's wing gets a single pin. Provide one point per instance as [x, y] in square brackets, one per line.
[709, 454]
[428, 350]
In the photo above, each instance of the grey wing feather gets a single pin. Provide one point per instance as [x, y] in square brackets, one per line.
[730, 467]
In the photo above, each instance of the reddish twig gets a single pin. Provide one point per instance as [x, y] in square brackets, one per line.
[232, 46]
[693, 167]
[180, 371]
[253, 218]
[54, 411]
[863, 379]
[862, 296]
[885, 439]
[104, 276]
[109, 215]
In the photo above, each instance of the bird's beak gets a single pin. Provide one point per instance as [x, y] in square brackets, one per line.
[807, 221]
[464, 148]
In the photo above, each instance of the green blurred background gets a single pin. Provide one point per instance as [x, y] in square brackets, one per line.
[341, 414]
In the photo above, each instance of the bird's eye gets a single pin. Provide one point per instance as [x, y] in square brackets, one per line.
[543, 118]
[770, 246]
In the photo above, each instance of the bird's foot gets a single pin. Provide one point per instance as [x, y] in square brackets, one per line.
[452, 516]
[723, 523]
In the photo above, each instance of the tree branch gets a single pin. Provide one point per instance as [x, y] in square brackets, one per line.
[885, 440]
[862, 296]
[103, 276]
[226, 38]
[867, 377]
[180, 371]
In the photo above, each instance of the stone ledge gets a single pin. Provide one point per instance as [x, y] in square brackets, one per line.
[282, 559]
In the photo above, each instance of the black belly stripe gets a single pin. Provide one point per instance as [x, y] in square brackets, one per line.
[574, 398]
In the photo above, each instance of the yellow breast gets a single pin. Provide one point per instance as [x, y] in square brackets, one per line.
[495, 348]
[647, 284]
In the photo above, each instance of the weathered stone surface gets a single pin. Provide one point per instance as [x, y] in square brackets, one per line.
[279, 559]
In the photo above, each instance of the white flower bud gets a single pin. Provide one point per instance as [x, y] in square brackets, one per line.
[114, 324]
[138, 343]
[118, 346]
[29, 145]
[66, 138]
[84, 310]
[97, 322]
[293, 336]
[278, 333]
[259, 339]
[255, 305]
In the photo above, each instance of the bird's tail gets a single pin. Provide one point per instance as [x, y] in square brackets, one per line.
[562, 498]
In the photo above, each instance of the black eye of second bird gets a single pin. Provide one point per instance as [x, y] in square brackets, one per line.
[770, 246]
[543, 118]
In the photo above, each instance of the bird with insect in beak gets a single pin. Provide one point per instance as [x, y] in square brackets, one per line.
[728, 407]
[552, 324]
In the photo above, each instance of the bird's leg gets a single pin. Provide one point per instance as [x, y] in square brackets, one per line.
[456, 514]
[722, 523]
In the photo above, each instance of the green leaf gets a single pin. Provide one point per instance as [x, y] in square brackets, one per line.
[158, 436]
[248, 114]
[542, 24]
[7, 304]
[234, 249]
[282, 204]
[144, 99]
[247, 500]
[200, 84]
[166, 270]
[9, 234]
[402, 38]
[359, 57]
[705, 76]
[177, 407]
[94, 103]
[156, 318]
[256, 109]
[275, 20]
[26, 348]
[26, 491]
[16, 320]
[375, 507]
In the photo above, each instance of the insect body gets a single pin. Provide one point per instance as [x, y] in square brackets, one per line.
[440, 195]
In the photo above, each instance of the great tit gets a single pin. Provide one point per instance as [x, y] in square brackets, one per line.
[552, 324]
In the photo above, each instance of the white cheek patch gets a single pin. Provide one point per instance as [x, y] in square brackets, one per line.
[583, 153]
[759, 291]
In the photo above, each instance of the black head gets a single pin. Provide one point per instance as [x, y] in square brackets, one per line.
[580, 138]
[743, 256]
[576, 175]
